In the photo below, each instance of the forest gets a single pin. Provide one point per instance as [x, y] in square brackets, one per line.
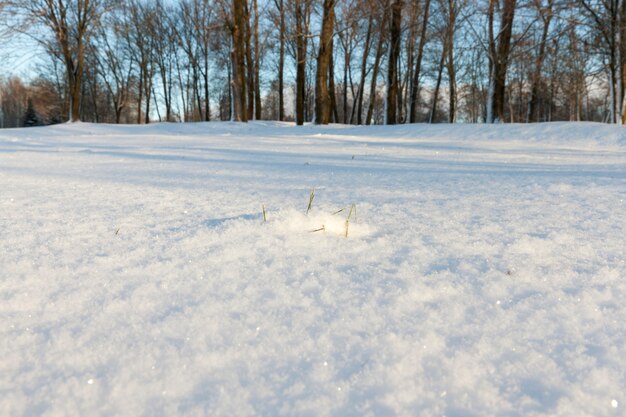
[322, 61]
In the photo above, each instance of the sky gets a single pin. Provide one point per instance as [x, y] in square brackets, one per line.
[20, 56]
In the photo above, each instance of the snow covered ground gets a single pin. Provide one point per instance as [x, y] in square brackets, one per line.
[484, 271]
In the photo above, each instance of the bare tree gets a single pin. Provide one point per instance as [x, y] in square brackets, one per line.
[607, 19]
[162, 31]
[64, 29]
[414, 97]
[376, 67]
[545, 15]
[280, 22]
[364, 67]
[115, 66]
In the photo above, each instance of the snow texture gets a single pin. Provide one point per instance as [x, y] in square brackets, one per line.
[483, 274]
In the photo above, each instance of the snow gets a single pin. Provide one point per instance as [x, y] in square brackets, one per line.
[483, 273]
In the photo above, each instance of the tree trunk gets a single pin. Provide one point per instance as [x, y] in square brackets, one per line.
[331, 83]
[75, 84]
[499, 59]
[451, 87]
[166, 95]
[257, 60]
[619, 64]
[377, 58]
[156, 104]
[301, 43]
[532, 115]
[392, 66]
[281, 64]
[148, 90]
[433, 108]
[230, 90]
[140, 95]
[249, 62]
[238, 57]
[207, 104]
[366, 51]
[450, 62]
[182, 90]
[196, 90]
[322, 96]
[346, 66]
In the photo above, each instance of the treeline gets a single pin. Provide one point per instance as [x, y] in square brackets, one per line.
[343, 61]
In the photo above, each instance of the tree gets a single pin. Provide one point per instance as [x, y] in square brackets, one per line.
[162, 33]
[606, 17]
[139, 17]
[31, 118]
[114, 65]
[364, 67]
[545, 15]
[418, 64]
[194, 36]
[377, 61]
[322, 94]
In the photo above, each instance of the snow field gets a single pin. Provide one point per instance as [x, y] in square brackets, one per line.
[483, 274]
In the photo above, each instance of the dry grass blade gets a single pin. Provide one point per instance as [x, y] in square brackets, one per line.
[352, 210]
[311, 197]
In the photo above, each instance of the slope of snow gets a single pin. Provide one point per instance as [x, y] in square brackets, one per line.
[483, 274]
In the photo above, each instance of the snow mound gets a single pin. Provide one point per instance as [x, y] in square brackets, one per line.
[323, 223]
[294, 223]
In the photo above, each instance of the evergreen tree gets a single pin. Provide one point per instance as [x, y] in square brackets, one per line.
[30, 116]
